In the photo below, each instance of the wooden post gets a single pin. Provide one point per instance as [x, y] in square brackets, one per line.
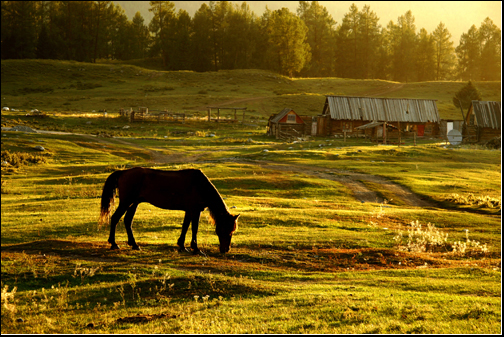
[385, 133]
[344, 136]
[235, 114]
[218, 115]
[209, 113]
[243, 118]
[399, 128]
[414, 138]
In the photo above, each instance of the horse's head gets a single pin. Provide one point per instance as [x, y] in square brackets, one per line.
[225, 231]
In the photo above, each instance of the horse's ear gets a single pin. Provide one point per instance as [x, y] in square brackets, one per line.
[235, 217]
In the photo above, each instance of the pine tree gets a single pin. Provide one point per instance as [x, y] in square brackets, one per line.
[468, 53]
[201, 41]
[490, 61]
[444, 52]
[465, 95]
[287, 37]
[425, 58]
[320, 37]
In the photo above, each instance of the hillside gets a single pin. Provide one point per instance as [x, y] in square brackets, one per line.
[50, 85]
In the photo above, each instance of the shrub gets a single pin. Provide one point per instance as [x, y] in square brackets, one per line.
[428, 239]
[431, 239]
[18, 159]
[471, 199]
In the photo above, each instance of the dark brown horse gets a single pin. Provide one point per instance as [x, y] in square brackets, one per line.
[186, 190]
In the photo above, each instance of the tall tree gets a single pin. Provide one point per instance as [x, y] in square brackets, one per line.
[202, 45]
[425, 60]
[403, 43]
[369, 42]
[161, 26]
[241, 38]
[444, 52]
[320, 36]
[468, 53]
[139, 37]
[181, 59]
[19, 28]
[288, 46]
[348, 44]
[490, 61]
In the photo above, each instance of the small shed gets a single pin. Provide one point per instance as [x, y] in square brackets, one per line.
[353, 116]
[286, 124]
[482, 122]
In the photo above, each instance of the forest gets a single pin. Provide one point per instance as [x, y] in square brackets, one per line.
[223, 35]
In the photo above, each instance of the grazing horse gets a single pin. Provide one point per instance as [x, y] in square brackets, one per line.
[186, 190]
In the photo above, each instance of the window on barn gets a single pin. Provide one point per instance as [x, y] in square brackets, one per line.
[291, 118]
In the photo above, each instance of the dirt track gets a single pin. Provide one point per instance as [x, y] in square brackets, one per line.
[352, 180]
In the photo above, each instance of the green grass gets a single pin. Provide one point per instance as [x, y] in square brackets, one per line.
[61, 86]
[308, 256]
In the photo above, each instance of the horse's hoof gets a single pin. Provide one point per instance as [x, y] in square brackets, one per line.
[199, 252]
[183, 250]
[114, 247]
[135, 247]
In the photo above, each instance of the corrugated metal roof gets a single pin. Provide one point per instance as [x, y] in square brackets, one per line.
[488, 114]
[382, 109]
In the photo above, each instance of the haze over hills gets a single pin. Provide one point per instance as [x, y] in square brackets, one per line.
[457, 16]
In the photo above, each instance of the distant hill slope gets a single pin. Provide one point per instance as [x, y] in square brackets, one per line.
[67, 85]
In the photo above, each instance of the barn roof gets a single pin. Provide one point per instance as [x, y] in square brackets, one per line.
[488, 113]
[381, 109]
[281, 115]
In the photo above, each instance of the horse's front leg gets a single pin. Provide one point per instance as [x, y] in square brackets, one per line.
[185, 227]
[195, 224]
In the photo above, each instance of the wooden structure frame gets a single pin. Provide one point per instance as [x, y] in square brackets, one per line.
[219, 120]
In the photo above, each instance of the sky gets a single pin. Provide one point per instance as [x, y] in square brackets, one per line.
[458, 16]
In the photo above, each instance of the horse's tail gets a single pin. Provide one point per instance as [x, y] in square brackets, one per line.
[107, 198]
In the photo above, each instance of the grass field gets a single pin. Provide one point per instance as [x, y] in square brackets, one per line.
[61, 86]
[333, 237]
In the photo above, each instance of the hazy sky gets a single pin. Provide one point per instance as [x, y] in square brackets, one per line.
[458, 16]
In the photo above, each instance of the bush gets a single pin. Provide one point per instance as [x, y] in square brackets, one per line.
[430, 239]
[18, 159]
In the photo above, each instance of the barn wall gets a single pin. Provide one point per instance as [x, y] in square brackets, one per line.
[290, 129]
[486, 134]
[332, 127]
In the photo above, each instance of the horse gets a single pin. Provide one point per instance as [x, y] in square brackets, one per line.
[186, 190]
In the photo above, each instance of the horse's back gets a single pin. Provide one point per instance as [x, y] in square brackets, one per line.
[164, 189]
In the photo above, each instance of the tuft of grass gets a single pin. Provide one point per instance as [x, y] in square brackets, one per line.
[18, 159]
[470, 199]
[431, 239]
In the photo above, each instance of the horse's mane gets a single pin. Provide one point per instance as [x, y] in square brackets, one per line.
[216, 205]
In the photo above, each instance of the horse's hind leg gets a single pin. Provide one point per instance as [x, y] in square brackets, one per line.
[121, 209]
[185, 227]
[128, 221]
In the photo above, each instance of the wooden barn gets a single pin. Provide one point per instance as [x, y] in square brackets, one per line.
[482, 122]
[366, 116]
[287, 124]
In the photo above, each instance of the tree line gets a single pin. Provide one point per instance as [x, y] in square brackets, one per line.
[223, 35]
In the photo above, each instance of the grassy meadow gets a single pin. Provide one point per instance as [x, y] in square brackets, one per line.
[310, 255]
